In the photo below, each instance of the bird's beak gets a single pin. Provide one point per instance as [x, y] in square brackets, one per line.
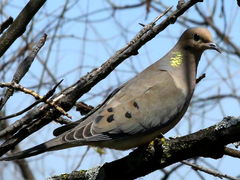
[213, 46]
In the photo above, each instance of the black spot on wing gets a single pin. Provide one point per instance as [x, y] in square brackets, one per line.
[135, 105]
[110, 118]
[128, 115]
[110, 109]
[98, 119]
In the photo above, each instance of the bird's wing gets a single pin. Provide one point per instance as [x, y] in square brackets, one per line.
[67, 127]
[147, 101]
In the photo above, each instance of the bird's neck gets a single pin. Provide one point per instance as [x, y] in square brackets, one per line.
[182, 65]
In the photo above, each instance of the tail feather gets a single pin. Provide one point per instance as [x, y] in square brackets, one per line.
[54, 144]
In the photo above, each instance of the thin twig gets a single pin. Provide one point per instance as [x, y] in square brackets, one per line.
[27, 62]
[224, 37]
[82, 158]
[209, 171]
[6, 24]
[23, 69]
[200, 78]
[18, 87]
[216, 97]
[144, 31]
[232, 152]
[44, 98]
[18, 124]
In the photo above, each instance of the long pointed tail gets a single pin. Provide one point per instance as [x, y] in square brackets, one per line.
[54, 144]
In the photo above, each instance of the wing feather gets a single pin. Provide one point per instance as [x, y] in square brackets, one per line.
[134, 108]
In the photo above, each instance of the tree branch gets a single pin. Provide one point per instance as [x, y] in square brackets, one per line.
[209, 171]
[209, 142]
[18, 27]
[6, 24]
[22, 69]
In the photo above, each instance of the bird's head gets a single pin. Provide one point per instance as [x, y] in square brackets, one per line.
[197, 40]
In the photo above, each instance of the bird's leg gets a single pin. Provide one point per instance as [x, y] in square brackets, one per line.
[151, 146]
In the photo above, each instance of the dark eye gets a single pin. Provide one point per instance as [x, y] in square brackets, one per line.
[196, 37]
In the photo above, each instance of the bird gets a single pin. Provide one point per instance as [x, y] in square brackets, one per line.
[143, 108]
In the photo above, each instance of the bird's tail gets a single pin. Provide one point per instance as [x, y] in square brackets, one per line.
[54, 144]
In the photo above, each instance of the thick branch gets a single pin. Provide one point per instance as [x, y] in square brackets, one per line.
[208, 142]
[19, 25]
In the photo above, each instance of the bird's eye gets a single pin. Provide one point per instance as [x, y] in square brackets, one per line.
[196, 37]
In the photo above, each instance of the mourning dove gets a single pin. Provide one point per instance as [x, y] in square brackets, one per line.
[148, 105]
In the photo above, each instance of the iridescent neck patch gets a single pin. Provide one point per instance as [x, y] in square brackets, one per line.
[176, 59]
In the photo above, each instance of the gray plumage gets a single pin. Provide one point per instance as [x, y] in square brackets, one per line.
[146, 106]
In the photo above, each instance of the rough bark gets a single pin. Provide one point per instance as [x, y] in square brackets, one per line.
[160, 153]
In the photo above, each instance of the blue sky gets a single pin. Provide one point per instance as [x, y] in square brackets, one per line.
[105, 33]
